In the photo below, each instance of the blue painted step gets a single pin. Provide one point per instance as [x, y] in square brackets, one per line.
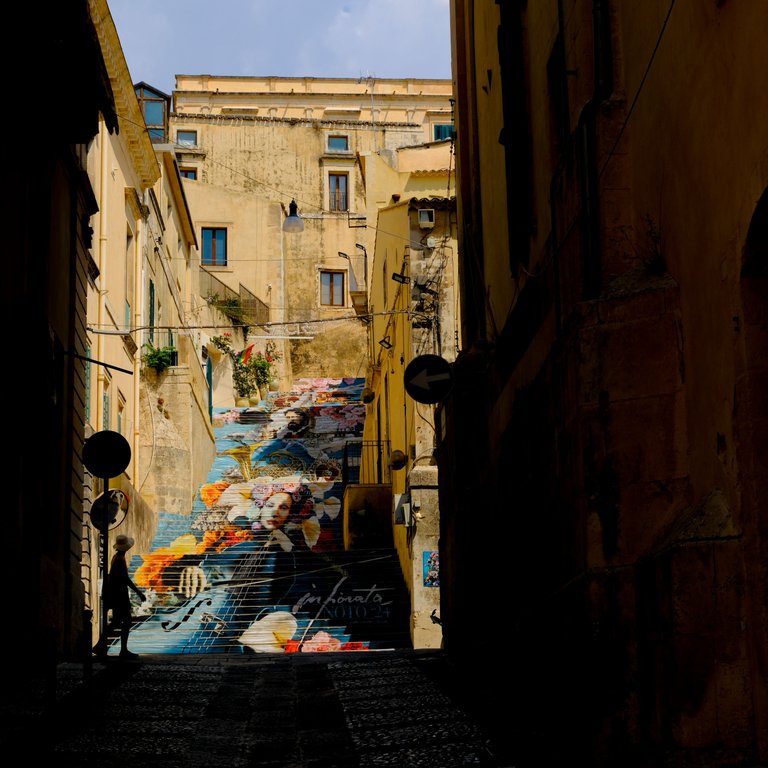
[214, 587]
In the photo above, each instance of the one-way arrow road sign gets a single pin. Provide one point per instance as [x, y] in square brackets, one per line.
[428, 378]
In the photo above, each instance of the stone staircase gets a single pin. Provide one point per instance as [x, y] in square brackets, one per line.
[340, 601]
[221, 580]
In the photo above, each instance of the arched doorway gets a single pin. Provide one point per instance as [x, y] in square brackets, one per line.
[751, 425]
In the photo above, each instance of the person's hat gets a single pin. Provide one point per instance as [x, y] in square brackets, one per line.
[123, 543]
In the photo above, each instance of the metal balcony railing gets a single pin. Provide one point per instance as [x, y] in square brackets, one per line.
[161, 337]
[366, 462]
[255, 309]
[243, 307]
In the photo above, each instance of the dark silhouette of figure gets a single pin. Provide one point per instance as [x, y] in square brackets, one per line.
[119, 600]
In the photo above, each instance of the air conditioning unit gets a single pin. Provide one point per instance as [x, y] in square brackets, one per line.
[426, 218]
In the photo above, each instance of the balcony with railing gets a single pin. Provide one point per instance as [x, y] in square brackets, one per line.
[241, 307]
[254, 308]
[366, 462]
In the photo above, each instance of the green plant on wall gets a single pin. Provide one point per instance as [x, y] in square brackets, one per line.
[158, 358]
[231, 306]
[223, 343]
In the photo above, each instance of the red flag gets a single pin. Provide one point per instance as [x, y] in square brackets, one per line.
[242, 358]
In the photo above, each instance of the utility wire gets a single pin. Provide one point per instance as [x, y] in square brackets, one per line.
[639, 89]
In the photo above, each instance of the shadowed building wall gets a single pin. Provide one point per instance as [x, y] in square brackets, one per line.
[612, 256]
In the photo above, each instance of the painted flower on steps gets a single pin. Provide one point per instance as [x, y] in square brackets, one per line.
[238, 501]
[198, 599]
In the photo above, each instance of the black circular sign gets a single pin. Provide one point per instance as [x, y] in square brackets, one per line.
[428, 378]
[106, 454]
[109, 509]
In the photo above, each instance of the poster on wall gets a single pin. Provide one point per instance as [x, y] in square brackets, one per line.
[431, 569]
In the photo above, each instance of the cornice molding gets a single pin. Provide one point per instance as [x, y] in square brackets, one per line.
[198, 117]
[130, 119]
[134, 203]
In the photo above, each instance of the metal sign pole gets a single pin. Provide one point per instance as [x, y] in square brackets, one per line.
[104, 564]
[106, 454]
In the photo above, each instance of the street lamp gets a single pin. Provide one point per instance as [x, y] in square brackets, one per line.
[352, 278]
[293, 222]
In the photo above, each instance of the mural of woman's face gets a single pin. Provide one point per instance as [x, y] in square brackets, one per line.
[275, 511]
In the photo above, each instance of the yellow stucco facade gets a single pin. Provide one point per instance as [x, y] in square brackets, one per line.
[142, 292]
[388, 101]
[414, 312]
[612, 194]
[253, 145]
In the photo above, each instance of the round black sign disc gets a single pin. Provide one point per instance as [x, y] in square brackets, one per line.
[106, 454]
[428, 378]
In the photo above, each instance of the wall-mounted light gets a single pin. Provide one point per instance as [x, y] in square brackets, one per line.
[397, 459]
[398, 277]
[352, 278]
[385, 342]
[293, 222]
[365, 264]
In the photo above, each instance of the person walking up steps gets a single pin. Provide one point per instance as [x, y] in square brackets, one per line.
[119, 600]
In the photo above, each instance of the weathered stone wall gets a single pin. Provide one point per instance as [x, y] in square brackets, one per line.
[177, 446]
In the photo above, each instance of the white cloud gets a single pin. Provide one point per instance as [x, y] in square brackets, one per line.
[311, 38]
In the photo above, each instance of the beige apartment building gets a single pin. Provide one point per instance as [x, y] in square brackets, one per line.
[142, 297]
[366, 163]
[249, 147]
[415, 316]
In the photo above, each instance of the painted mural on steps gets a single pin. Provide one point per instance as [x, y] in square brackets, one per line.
[259, 565]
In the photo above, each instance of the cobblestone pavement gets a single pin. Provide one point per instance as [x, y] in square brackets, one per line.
[352, 710]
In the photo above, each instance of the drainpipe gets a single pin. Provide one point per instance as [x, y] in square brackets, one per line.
[287, 364]
[102, 263]
[136, 314]
[100, 340]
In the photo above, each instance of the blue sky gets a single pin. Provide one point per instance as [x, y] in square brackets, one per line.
[302, 38]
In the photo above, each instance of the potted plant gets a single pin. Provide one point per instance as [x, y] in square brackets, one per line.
[244, 369]
[272, 357]
[262, 370]
[231, 306]
[243, 379]
[222, 343]
[159, 358]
